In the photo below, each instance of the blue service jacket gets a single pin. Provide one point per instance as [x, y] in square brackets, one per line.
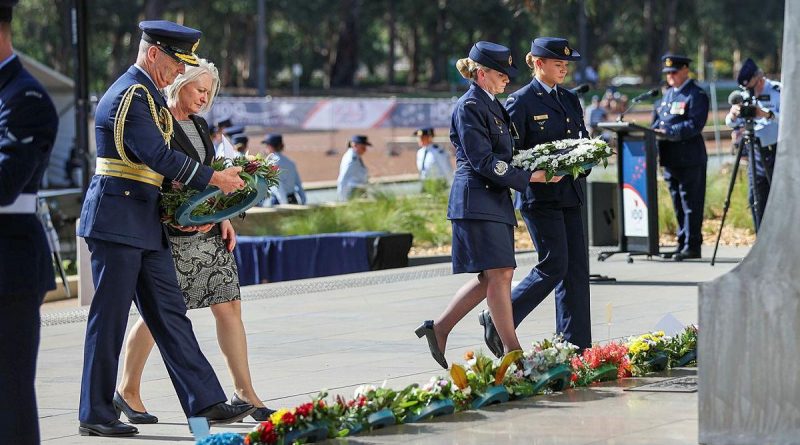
[28, 126]
[122, 210]
[480, 133]
[538, 118]
[683, 113]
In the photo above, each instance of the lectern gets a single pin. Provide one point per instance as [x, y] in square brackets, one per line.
[638, 196]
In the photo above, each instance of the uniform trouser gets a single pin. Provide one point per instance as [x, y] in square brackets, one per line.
[687, 186]
[563, 266]
[765, 164]
[19, 346]
[123, 273]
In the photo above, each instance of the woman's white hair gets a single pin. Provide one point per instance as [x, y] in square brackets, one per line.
[191, 74]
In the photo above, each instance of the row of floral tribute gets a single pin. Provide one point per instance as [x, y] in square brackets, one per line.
[550, 365]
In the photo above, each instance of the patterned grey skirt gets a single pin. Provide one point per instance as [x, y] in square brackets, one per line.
[207, 272]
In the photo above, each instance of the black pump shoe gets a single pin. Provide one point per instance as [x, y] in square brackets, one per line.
[490, 335]
[426, 329]
[260, 414]
[138, 417]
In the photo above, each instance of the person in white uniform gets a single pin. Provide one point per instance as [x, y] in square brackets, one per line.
[290, 188]
[433, 162]
[353, 173]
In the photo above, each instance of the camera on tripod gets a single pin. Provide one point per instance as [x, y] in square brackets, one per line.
[746, 100]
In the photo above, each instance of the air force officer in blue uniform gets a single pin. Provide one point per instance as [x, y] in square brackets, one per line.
[28, 125]
[480, 206]
[130, 257]
[543, 112]
[680, 117]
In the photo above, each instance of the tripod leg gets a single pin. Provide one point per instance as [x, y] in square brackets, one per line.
[727, 204]
[752, 145]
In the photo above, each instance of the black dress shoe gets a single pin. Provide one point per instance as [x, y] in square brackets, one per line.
[115, 428]
[138, 417]
[426, 329]
[490, 335]
[222, 413]
[686, 255]
[260, 414]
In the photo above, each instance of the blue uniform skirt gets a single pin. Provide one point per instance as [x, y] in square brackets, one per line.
[480, 245]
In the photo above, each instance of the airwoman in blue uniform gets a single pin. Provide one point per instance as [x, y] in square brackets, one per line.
[480, 206]
[130, 257]
[680, 117]
[768, 111]
[544, 112]
[290, 188]
[433, 161]
[28, 126]
[353, 173]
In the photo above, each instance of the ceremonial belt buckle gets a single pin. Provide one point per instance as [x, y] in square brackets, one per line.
[26, 203]
[118, 169]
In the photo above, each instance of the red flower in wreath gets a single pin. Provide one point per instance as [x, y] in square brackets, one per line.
[304, 410]
[289, 418]
[268, 434]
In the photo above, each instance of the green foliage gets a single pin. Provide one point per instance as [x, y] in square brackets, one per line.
[422, 215]
[716, 189]
[622, 36]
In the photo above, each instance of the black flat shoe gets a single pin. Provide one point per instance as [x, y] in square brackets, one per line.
[686, 255]
[222, 413]
[114, 428]
[138, 417]
[259, 415]
[490, 335]
[426, 329]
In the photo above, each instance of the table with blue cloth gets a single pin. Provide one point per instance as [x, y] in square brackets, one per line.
[269, 259]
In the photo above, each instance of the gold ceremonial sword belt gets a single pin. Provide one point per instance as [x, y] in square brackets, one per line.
[118, 169]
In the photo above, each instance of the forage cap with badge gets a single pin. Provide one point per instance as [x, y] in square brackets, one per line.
[177, 41]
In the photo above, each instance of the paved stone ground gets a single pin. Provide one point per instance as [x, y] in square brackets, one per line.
[340, 332]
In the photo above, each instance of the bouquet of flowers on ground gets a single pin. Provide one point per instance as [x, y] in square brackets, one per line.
[601, 362]
[564, 157]
[545, 356]
[418, 398]
[482, 372]
[254, 169]
[680, 347]
[285, 421]
[348, 416]
[548, 354]
[380, 399]
[647, 353]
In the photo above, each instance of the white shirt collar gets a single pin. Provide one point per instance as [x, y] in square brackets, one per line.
[147, 75]
[491, 96]
[685, 82]
[545, 86]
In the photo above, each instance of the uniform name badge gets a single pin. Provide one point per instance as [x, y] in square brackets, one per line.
[678, 108]
[541, 117]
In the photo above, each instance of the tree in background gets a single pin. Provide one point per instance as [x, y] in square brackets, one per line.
[345, 43]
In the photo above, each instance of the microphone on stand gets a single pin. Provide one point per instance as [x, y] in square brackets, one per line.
[580, 89]
[652, 93]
